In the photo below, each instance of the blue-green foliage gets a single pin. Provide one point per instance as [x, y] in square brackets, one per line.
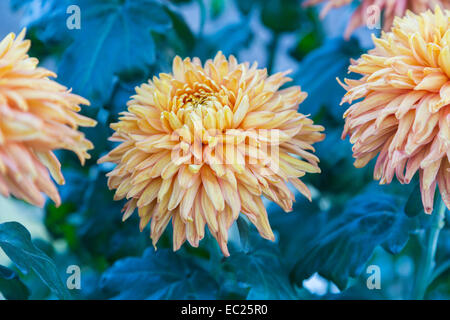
[159, 275]
[318, 71]
[11, 286]
[349, 224]
[16, 242]
[341, 247]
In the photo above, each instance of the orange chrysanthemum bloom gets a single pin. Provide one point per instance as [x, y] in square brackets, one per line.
[365, 14]
[202, 144]
[404, 114]
[37, 115]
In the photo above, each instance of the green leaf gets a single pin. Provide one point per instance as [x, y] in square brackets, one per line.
[244, 232]
[307, 42]
[261, 270]
[341, 248]
[16, 242]
[114, 40]
[46, 18]
[294, 228]
[11, 287]
[414, 206]
[282, 15]
[182, 31]
[158, 275]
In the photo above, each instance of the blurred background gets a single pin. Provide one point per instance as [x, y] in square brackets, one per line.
[323, 249]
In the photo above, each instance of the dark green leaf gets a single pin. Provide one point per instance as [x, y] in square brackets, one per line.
[244, 233]
[182, 30]
[158, 275]
[342, 247]
[294, 228]
[281, 15]
[114, 39]
[339, 179]
[16, 242]
[414, 206]
[91, 222]
[11, 287]
[261, 270]
[307, 43]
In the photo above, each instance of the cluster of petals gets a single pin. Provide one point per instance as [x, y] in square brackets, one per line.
[37, 116]
[204, 143]
[402, 113]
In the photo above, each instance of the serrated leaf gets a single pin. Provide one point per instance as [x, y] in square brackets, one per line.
[341, 248]
[114, 40]
[158, 275]
[16, 242]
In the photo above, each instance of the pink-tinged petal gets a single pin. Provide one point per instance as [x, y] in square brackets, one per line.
[37, 116]
[427, 194]
[402, 117]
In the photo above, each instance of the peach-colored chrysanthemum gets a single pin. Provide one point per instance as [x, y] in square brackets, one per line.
[366, 15]
[404, 114]
[37, 115]
[204, 143]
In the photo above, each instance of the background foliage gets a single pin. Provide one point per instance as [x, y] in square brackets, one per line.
[322, 249]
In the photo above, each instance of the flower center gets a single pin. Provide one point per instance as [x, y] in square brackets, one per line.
[200, 110]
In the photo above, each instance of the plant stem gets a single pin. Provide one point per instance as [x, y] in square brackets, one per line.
[427, 263]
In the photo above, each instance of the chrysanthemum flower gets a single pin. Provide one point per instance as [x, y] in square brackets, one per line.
[37, 115]
[364, 13]
[404, 112]
[204, 143]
